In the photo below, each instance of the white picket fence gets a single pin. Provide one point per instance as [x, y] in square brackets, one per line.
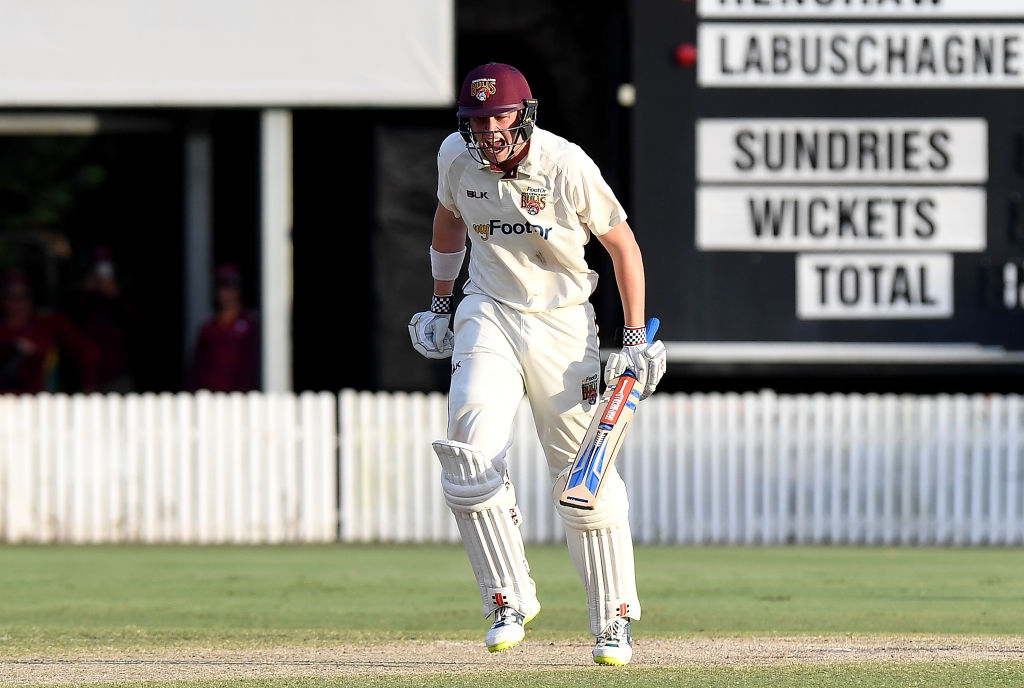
[700, 468]
[198, 468]
[761, 468]
[727, 468]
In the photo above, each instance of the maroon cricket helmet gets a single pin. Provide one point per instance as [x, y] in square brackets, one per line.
[496, 89]
[493, 89]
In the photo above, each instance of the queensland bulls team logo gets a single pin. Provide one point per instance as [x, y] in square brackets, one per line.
[482, 89]
[590, 389]
[533, 200]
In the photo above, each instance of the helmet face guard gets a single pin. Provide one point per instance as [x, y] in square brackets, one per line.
[521, 130]
[492, 90]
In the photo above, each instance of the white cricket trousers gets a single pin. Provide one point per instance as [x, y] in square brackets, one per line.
[553, 358]
[500, 354]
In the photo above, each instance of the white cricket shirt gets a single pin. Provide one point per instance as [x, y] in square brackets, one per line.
[528, 233]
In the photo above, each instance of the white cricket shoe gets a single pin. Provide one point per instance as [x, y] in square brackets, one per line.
[615, 645]
[507, 630]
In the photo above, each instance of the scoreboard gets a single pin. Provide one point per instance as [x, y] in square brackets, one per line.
[832, 181]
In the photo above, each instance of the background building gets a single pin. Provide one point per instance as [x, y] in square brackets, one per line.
[299, 143]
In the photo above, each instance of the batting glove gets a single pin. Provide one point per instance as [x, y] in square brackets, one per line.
[646, 361]
[430, 331]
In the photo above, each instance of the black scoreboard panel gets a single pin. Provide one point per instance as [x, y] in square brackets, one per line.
[835, 202]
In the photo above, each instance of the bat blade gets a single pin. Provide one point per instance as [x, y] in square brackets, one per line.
[603, 438]
[601, 444]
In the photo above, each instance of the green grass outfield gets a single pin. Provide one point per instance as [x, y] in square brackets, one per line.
[60, 600]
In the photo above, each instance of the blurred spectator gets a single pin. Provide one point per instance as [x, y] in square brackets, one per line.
[32, 344]
[227, 352]
[110, 320]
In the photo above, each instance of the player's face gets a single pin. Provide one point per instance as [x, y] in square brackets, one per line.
[494, 136]
[228, 296]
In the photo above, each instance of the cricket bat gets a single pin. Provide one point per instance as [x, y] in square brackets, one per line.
[604, 438]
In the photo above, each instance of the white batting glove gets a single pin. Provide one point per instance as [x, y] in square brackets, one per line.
[646, 361]
[430, 331]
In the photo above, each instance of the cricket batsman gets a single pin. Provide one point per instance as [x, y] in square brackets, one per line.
[529, 201]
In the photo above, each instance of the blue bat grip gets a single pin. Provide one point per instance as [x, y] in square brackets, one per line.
[652, 328]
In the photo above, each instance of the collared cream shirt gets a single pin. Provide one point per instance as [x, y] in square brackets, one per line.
[528, 234]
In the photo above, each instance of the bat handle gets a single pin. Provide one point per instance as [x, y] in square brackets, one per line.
[652, 328]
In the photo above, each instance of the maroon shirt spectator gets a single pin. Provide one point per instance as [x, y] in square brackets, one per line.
[31, 343]
[227, 351]
[110, 320]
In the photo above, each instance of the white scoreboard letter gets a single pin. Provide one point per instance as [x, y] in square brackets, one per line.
[927, 150]
[840, 218]
[861, 9]
[874, 286]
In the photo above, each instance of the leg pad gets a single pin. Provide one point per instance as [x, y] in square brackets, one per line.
[483, 500]
[601, 547]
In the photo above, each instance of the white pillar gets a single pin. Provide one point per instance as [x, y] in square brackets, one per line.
[276, 229]
[198, 262]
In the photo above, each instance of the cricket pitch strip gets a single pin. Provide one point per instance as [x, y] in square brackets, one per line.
[419, 657]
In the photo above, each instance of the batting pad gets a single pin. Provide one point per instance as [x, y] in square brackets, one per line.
[483, 501]
[601, 547]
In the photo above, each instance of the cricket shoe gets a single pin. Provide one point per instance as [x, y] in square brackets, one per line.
[508, 629]
[615, 645]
